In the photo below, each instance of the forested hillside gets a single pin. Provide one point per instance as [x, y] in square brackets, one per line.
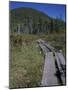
[31, 21]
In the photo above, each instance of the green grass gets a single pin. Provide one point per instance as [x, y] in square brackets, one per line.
[26, 62]
[58, 41]
[26, 66]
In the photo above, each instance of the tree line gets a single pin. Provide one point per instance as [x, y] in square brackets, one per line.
[31, 26]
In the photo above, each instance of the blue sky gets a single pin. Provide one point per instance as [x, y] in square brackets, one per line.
[52, 10]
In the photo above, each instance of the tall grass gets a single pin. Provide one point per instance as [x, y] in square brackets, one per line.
[26, 66]
[26, 62]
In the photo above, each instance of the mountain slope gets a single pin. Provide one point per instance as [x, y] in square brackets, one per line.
[32, 21]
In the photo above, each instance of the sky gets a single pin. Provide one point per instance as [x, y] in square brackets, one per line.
[52, 10]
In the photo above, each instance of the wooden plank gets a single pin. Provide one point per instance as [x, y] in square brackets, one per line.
[43, 48]
[61, 57]
[49, 78]
[60, 61]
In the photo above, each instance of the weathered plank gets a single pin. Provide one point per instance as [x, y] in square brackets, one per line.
[49, 78]
[61, 62]
[43, 48]
[58, 61]
[61, 57]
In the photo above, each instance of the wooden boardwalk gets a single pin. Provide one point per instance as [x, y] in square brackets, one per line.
[49, 78]
[54, 66]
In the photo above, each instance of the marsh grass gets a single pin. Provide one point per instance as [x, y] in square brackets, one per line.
[26, 61]
[26, 66]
